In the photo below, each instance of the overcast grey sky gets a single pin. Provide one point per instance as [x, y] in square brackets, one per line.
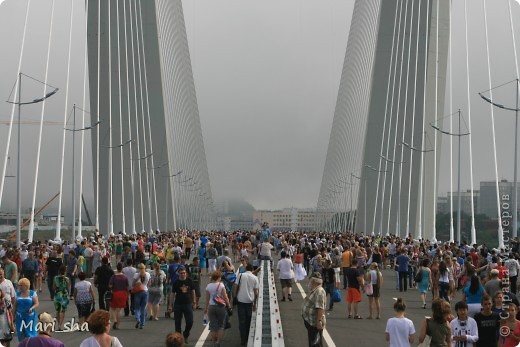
[267, 76]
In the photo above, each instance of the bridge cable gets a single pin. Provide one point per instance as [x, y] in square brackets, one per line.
[82, 150]
[13, 107]
[473, 231]
[122, 146]
[410, 160]
[148, 118]
[140, 62]
[97, 110]
[130, 145]
[44, 102]
[435, 151]
[138, 158]
[421, 170]
[500, 230]
[405, 115]
[390, 125]
[380, 170]
[65, 112]
[450, 95]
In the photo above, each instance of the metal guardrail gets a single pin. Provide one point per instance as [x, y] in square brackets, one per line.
[266, 325]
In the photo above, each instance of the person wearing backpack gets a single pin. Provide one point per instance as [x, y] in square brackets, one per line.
[155, 289]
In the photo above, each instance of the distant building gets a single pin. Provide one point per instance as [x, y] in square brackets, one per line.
[443, 204]
[286, 219]
[465, 202]
[488, 197]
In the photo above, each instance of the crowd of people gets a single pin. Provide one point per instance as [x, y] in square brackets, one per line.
[136, 274]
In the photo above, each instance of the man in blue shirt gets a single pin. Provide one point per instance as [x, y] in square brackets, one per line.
[265, 233]
[402, 267]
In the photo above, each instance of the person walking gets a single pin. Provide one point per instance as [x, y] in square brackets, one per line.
[286, 269]
[487, 324]
[401, 262]
[25, 310]
[355, 280]
[215, 310]
[140, 291]
[375, 278]
[464, 329]
[99, 327]
[183, 299]
[118, 284]
[52, 267]
[437, 327]
[72, 268]
[313, 310]
[246, 291]
[400, 331]
[129, 270]
[346, 262]
[61, 295]
[84, 297]
[101, 280]
[155, 290]
[30, 268]
[426, 279]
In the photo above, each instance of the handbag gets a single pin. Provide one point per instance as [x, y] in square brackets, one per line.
[418, 277]
[369, 290]
[235, 294]
[108, 296]
[336, 296]
[218, 299]
[138, 287]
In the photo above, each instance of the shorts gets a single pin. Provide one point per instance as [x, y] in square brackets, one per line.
[84, 309]
[286, 283]
[353, 295]
[217, 317]
[375, 292]
[154, 296]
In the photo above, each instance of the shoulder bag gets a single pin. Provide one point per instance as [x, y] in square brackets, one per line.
[235, 293]
[218, 299]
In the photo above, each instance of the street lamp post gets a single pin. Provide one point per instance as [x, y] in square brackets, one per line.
[74, 130]
[19, 103]
[515, 171]
[459, 135]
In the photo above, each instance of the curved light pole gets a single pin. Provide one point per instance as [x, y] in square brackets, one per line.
[459, 135]
[19, 103]
[74, 130]
[515, 171]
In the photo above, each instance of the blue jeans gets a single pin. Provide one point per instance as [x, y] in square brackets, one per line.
[140, 300]
[245, 312]
[179, 310]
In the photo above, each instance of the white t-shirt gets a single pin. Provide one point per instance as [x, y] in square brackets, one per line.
[8, 289]
[146, 279]
[92, 342]
[211, 288]
[248, 282]
[265, 249]
[130, 272]
[399, 330]
[285, 266]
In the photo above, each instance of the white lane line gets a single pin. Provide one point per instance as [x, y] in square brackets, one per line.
[203, 337]
[326, 335]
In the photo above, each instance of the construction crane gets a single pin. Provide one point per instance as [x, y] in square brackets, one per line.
[12, 235]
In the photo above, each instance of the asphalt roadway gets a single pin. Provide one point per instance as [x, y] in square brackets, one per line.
[340, 331]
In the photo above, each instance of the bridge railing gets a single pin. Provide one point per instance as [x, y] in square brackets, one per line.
[266, 325]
